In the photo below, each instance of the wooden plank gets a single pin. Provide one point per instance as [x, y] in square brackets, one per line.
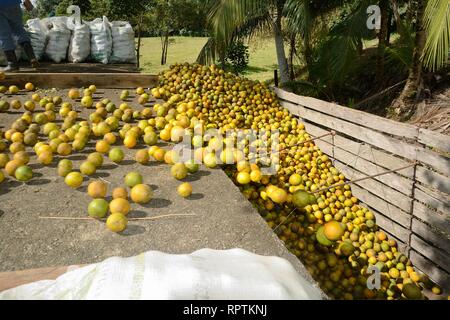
[437, 162]
[434, 218]
[393, 180]
[390, 195]
[352, 115]
[434, 139]
[365, 151]
[436, 274]
[379, 204]
[425, 232]
[390, 226]
[370, 136]
[433, 199]
[433, 179]
[13, 279]
[77, 80]
[436, 255]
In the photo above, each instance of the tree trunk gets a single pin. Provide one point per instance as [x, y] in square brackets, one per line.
[166, 42]
[165, 47]
[382, 37]
[279, 44]
[138, 49]
[404, 107]
[291, 57]
[389, 29]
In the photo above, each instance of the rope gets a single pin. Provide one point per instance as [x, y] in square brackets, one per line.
[364, 178]
[131, 219]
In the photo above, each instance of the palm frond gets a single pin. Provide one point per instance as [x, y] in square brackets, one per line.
[437, 25]
[226, 16]
[208, 54]
[341, 49]
[299, 16]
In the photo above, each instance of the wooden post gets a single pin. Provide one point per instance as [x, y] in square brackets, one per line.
[138, 49]
[275, 76]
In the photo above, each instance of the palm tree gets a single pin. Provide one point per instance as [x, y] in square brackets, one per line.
[431, 49]
[229, 18]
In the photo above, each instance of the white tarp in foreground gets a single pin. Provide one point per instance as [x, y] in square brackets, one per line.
[204, 274]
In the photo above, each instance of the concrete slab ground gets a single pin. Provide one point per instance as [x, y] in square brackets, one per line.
[223, 218]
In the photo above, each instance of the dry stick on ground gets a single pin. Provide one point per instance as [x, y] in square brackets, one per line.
[131, 219]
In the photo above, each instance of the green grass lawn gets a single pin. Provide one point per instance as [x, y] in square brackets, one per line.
[263, 58]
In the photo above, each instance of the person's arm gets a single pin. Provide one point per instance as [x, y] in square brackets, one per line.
[28, 5]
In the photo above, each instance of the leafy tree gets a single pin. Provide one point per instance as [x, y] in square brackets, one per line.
[431, 49]
[45, 7]
[237, 56]
[164, 18]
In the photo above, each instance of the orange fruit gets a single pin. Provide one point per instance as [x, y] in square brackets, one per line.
[120, 193]
[12, 165]
[141, 193]
[333, 230]
[74, 179]
[185, 189]
[102, 146]
[159, 154]
[117, 222]
[119, 205]
[130, 141]
[45, 157]
[29, 86]
[97, 189]
[142, 157]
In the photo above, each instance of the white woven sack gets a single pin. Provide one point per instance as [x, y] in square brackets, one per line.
[101, 40]
[80, 43]
[38, 37]
[203, 275]
[58, 39]
[123, 48]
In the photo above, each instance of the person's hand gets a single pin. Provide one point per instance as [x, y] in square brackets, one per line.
[28, 5]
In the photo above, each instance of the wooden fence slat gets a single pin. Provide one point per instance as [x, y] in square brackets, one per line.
[432, 198]
[363, 150]
[433, 179]
[77, 80]
[391, 227]
[434, 139]
[426, 233]
[393, 180]
[437, 161]
[436, 255]
[375, 138]
[387, 209]
[429, 157]
[12, 279]
[392, 196]
[436, 274]
[355, 116]
[434, 218]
